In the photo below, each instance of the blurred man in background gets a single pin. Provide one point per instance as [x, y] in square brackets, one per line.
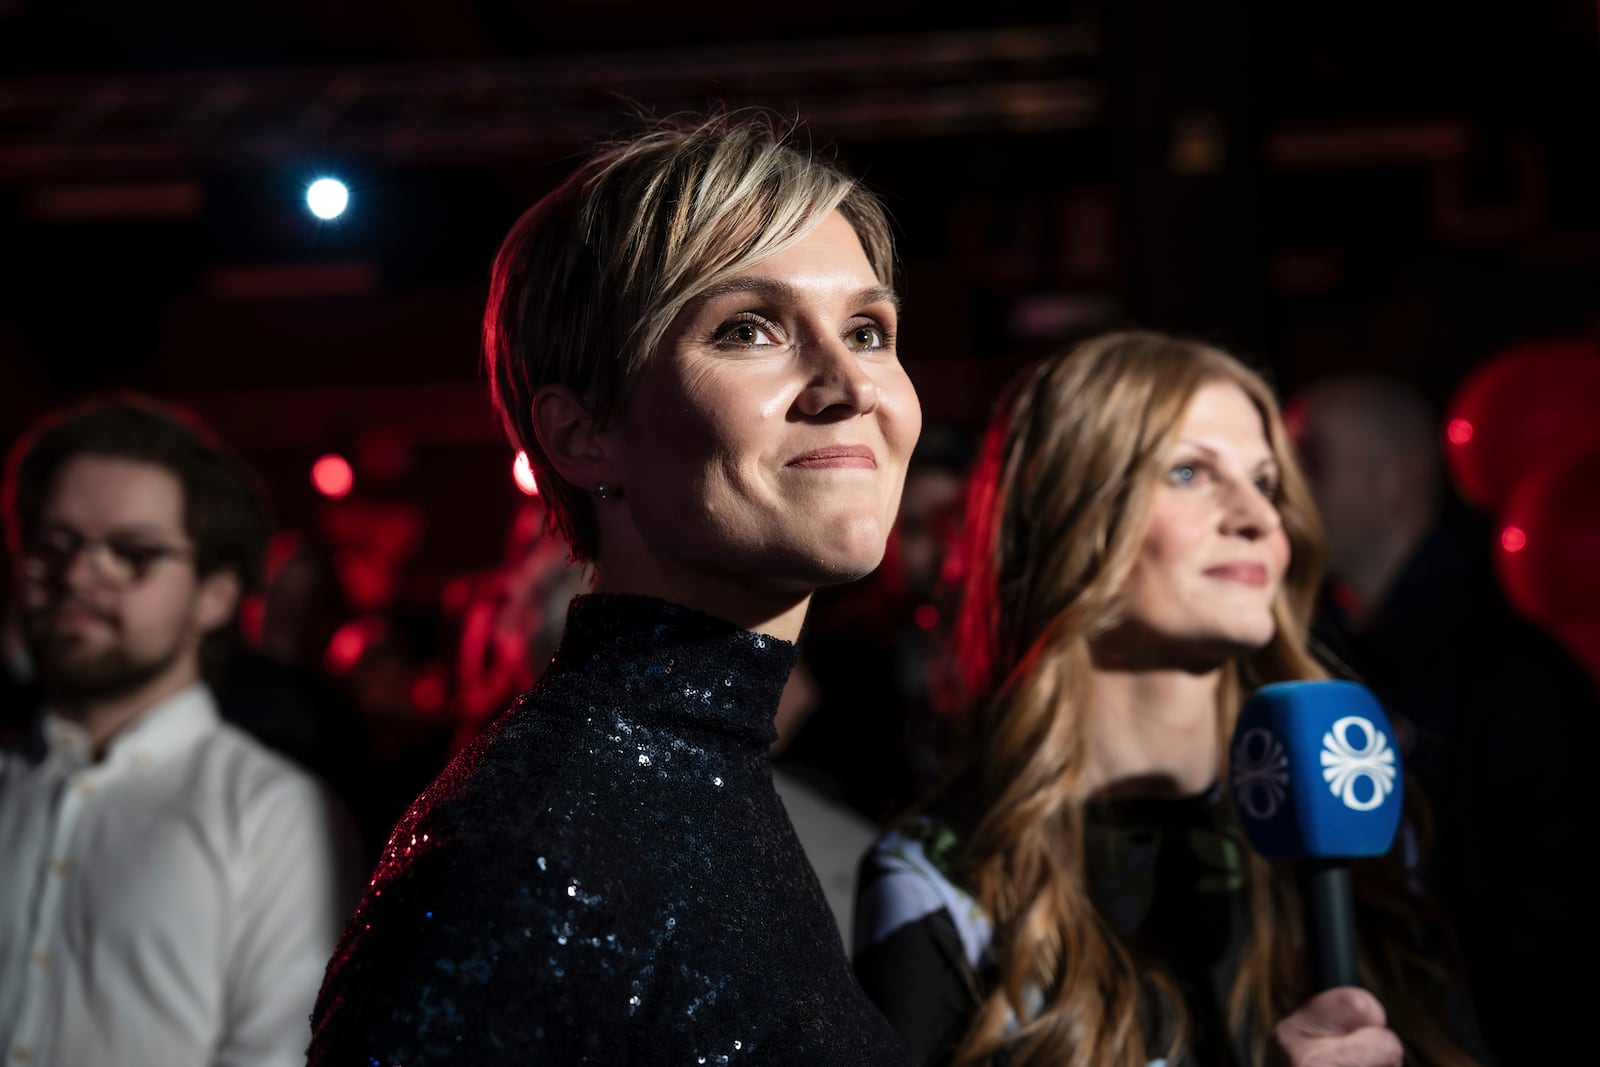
[1496, 723]
[171, 889]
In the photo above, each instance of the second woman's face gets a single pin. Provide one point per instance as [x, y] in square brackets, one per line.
[1214, 552]
[767, 440]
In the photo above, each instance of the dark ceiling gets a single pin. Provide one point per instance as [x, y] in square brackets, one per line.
[1368, 185]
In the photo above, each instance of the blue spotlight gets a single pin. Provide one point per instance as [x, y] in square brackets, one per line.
[327, 198]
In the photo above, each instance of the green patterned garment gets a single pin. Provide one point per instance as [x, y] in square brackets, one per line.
[1169, 876]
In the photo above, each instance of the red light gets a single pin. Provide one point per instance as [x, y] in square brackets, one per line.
[332, 476]
[427, 692]
[1513, 539]
[252, 614]
[926, 616]
[1529, 407]
[1459, 431]
[283, 547]
[456, 595]
[345, 648]
[522, 471]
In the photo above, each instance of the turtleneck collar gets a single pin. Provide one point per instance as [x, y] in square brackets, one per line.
[677, 664]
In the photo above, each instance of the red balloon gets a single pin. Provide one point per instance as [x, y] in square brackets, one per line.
[1548, 551]
[1528, 407]
[1582, 641]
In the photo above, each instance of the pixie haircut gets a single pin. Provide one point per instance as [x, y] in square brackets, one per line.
[591, 278]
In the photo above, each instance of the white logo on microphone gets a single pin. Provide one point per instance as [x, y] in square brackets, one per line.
[1260, 773]
[1343, 764]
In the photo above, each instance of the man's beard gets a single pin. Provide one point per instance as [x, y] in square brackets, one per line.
[110, 673]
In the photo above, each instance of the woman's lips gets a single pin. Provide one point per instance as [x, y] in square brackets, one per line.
[858, 457]
[1247, 573]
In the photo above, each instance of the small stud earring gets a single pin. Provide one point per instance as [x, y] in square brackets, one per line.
[602, 490]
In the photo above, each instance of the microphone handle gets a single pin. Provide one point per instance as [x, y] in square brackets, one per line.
[1330, 921]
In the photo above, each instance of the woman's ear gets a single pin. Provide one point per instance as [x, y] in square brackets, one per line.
[569, 436]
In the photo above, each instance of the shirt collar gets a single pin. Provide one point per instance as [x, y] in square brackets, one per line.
[166, 727]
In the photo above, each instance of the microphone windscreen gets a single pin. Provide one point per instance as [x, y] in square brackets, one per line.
[1315, 771]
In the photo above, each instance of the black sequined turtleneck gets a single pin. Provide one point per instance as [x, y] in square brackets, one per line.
[606, 877]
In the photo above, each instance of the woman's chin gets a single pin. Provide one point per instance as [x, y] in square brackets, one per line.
[1247, 640]
[832, 567]
[835, 552]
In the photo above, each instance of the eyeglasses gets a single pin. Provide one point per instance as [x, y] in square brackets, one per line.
[118, 560]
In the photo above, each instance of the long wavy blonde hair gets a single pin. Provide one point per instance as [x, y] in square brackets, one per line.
[1057, 511]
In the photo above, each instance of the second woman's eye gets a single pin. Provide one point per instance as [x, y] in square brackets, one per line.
[1186, 473]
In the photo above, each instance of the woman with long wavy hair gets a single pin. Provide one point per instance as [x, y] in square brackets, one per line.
[1141, 552]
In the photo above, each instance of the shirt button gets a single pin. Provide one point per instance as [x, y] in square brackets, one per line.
[41, 958]
[83, 789]
[60, 867]
[22, 1054]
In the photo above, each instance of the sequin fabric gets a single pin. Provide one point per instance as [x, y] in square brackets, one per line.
[606, 876]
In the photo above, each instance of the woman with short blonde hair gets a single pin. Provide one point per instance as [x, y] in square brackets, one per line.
[694, 341]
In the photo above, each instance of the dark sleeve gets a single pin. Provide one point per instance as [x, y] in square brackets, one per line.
[451, 959]
[910, 960]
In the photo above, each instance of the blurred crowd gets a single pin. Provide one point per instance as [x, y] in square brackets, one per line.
[372, 700]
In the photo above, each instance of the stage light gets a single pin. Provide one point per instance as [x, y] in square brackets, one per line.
[350, 642]
[1512, 539]
[1460, 431]
[332, 476]
[522, 471]
[327, 198]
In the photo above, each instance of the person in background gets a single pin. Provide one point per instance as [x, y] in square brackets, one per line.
[1141, 552]
[1497, 723]
[693, 338]
[511, 626]
[276, 689]
[171, 888]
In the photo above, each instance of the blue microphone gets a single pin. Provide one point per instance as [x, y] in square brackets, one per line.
[1316, 778]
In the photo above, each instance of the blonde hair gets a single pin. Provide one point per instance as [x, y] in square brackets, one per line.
[589, 279]
[1057, 512]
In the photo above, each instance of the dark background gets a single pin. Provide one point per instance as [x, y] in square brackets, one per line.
[1407, 187]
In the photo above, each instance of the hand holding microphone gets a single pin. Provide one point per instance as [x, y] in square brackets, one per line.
[1316, 778]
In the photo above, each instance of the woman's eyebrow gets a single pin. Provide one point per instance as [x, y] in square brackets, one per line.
[878, 294]
[777, 290]
[1198, 446]
[1212, 454]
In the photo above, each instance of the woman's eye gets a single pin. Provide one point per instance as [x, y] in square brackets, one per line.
[745, 333]
[868, 337]
[1184, 474]
[1268, 487]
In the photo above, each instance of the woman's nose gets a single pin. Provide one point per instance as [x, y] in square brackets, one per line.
[837, 381]
[1250, 513]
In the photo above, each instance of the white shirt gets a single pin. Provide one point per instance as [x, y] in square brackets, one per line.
[173, 905]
